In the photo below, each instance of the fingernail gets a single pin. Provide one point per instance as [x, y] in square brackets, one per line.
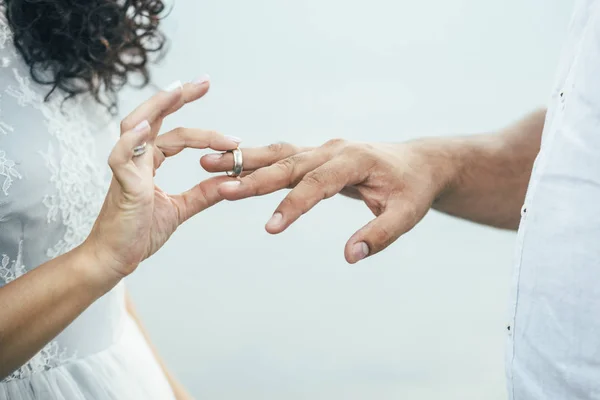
[234, 139]
[275, 221]
[213, 157]
[174, 86]
[231, 184]
[141, 127]
[202, 80]
[360, 251]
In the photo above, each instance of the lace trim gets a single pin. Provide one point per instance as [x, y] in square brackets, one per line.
[51, 356]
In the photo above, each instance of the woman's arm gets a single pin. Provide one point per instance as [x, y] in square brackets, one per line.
[178, 389]
[136, 219]
[40, 304]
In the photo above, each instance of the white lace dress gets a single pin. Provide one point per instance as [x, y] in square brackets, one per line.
[53, 178]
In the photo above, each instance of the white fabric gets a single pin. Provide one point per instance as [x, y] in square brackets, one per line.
[53, 178]
[553, 347]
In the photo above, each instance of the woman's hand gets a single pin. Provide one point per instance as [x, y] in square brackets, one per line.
[138, 217]
[398, 182]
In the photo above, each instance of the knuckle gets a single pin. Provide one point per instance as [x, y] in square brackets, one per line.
[381, 236]
[202, 193]
[276, 148]
[179, 131]
[113, 160]
[210, 137]
[356, 148]
[289, 148]
[282, 149]
[125, 125]
[288, 168]
[297, 158]
[159, 157]
[336, 174]
[362, 154]
[314, 179]
[288, 203]
[295, 204]
[252, 182]
[286, 165]
[338, 142]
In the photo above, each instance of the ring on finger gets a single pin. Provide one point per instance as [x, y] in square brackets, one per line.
[238, 163]
[139, 150]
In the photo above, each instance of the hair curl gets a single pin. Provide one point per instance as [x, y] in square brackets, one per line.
[86, 46]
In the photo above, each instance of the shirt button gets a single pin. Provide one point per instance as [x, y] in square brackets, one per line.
[509, 329]
[523, 210]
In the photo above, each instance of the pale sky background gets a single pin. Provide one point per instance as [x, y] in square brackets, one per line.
[239, 314]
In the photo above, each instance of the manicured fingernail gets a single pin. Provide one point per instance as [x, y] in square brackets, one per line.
[231, 184]
[234, 139]
[275, 221]
[141, 127]
[360, 251]
[202, 80]
[213, 157]
[174, 86]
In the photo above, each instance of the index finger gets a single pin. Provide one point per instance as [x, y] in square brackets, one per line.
[166, 102]
[173, 142]
[254, 157]
[285, 173]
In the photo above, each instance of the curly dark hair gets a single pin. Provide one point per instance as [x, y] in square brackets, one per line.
[81, 46]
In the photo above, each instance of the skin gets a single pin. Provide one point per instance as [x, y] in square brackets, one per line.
[482, 178]
[137, 218]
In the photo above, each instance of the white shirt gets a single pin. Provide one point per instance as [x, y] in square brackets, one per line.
[553, 349]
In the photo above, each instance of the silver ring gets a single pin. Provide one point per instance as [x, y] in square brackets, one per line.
[238, 163]
[139, 150]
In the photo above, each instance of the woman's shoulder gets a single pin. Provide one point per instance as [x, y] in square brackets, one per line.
[51, 150]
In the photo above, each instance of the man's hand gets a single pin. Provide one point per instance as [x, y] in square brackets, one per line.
[482, 178]
[398, 182]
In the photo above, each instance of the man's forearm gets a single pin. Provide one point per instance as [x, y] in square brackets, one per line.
[489, 174]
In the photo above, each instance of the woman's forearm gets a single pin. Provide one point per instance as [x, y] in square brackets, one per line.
[39, 305]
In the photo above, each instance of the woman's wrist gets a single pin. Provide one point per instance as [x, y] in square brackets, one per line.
[93, 269]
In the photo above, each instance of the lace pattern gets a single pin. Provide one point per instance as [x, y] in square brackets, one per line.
[11, 270]
[8, 171]
[51, 356]
[78, 183]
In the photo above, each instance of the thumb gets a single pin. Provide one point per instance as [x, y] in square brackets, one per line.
[200, 197]
[381, 232]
